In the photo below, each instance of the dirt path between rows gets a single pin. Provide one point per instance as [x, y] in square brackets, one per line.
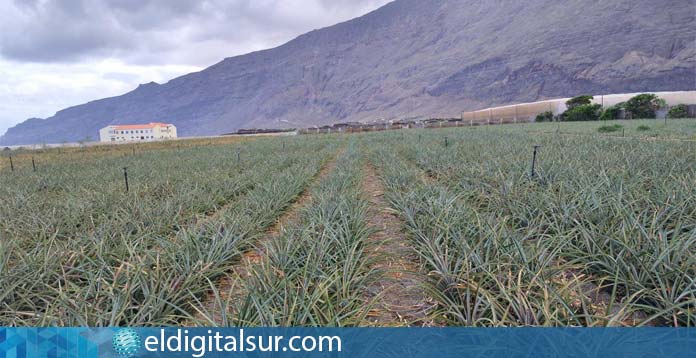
[401, 300]
[230, 287]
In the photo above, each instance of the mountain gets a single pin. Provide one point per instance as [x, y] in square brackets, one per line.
[413, 58]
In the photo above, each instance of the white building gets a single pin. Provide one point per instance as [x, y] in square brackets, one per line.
[137, 132]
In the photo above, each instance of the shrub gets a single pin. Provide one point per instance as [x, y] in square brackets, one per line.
[644, 105]
[584, 112]
[545, 117]
[610, 128]
[611, 113]
[643, 128]
[678, 111]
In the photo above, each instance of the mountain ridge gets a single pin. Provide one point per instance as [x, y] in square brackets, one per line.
[411, 58]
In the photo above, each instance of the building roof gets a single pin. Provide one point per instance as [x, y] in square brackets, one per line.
[140, 126]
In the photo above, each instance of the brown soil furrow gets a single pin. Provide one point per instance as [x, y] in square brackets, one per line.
[401, 300]
[230, 287]
[291, 215]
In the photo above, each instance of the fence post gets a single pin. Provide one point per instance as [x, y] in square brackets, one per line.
[534, 157]
[125, 178]
[33, 164]
[11, 164]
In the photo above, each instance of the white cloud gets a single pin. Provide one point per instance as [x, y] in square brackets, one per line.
[56, 54]
[40, 89]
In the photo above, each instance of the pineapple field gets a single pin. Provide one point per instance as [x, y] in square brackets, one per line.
[441, 227]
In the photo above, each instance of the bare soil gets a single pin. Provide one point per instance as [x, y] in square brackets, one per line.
[401, 300]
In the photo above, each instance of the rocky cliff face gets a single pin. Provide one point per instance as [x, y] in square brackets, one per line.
[410, 59]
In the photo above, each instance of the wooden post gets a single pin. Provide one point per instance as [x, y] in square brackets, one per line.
[11, 164]
[125, 177]
[534, 157]
[33, 164]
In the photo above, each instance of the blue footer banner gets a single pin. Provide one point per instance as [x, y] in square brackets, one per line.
[349, 342]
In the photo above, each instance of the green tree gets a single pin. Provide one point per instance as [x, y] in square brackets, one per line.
[579, 101]
[678, 111]
[644, 105]
[584, 112]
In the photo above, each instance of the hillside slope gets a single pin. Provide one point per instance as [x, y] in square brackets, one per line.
[413, 58]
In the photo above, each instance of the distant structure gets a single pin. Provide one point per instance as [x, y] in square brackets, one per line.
[263, 132]
[137, 132]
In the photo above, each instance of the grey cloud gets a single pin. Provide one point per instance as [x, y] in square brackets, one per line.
[57, 31]
[161, 31]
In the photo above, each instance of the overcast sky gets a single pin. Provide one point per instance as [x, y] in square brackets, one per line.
[59, 53]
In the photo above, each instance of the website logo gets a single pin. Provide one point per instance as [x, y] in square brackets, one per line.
[126, 342]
